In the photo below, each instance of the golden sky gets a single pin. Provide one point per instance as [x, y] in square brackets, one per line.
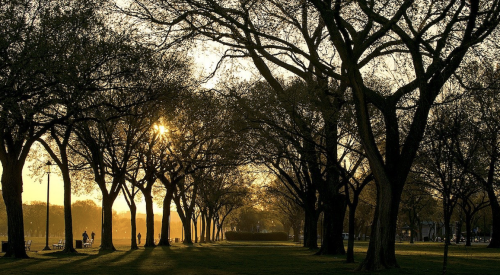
[33, 190]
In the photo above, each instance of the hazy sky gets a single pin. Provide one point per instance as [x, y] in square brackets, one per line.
[34, 191]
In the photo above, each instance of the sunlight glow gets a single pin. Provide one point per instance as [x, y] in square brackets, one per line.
[161, 129]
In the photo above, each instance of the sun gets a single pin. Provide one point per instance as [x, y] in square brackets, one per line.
[161, 129]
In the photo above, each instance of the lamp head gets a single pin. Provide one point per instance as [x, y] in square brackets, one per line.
[48, 166]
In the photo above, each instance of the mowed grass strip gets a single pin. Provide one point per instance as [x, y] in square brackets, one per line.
[246, 258]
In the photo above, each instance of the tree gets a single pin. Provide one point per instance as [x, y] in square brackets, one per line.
[84, 62]
[223, 191]
[482, 82]
[220, 21]
[106, 144]
[289, 212]
[36, 39]
[414, 202]
[472, 200]
[362, 33]
[358, 178]
[404, 31]
[3, 217]
[286, 135]
[130, 194]
[438, 163]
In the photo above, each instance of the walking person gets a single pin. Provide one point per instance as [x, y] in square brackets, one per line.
[92, 235]
[139, 237]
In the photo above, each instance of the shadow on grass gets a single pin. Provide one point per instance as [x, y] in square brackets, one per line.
[206, 259]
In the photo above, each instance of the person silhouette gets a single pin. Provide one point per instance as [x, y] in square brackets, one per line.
[85, 236]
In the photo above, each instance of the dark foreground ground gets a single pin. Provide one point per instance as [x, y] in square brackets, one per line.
[245, 258]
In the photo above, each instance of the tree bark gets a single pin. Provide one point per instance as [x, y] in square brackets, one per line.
[333, 226]
[208, 226]
[296, 233]
[150, 218]
[165, 222]
[352, 224]
[12, 186]
[195, 227]
[381, 249]
[202, 233]
[495, 213]
[68, 218]
[412, 225]
[447, 230]
[133, 226]
[107, 223]
[186, 223]
[311, 228]
[468, 229]
[213, 230]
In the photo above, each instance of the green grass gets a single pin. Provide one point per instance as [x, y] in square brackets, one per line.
[244, 258]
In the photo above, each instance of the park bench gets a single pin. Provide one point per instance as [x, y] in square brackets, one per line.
[27, 245]
[58, 244]
[62, 245]
[88, 243]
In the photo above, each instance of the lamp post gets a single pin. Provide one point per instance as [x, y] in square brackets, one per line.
[47, 224]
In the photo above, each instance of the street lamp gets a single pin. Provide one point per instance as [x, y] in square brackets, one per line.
[48, 164]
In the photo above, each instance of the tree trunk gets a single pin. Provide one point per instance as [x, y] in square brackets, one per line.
[213, 230]
[458, 232]
[68, 218]
[412, 225]
[133, 226]
[107, 224]
[12, 188]
[202, 233]
[381, 249]
[495, 213]
[185, 217]
[492, 196]
[333, 226]
[217, 236]
[208, 226]
[195, 223]
[334, 203]
[165, 222]
[296, 233]
[447, 232]
[311, 228]
[150, 219]
[287, 228]
[352, 224]
[186, 223]
[468, 229]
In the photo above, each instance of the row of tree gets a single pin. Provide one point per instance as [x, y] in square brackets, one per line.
[87, 218]
[369, 73]
[112, 112]
[355, 92]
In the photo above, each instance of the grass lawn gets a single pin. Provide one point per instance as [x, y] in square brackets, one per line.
[243, 258]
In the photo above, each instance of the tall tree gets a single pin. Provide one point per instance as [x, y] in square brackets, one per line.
[263, 42]
[278, 199]
[90, 50]
[426, 39]
[106, 140]
[39, 43]
[482, 81]
[438, 164]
